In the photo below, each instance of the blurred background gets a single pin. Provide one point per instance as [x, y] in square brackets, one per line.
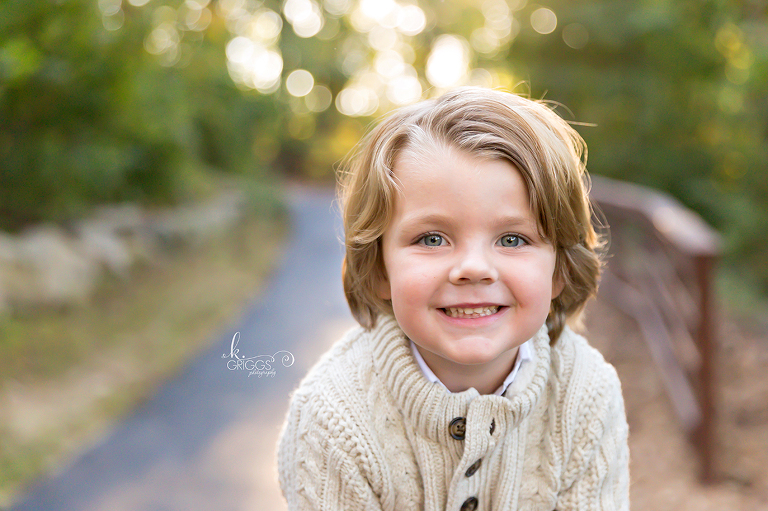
[150, 151]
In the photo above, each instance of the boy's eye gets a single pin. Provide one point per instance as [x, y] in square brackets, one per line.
[432, 240]
[511, 240]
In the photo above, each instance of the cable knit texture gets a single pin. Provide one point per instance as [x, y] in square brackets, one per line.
[367, 431]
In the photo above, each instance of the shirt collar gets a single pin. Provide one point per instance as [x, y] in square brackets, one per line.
[524, 354]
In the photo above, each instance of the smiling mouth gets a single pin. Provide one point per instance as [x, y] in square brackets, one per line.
[471, 312]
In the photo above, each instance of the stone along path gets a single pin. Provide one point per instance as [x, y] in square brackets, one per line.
[207, 439]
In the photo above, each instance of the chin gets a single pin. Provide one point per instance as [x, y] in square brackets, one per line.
[472, 360]
[474, 357]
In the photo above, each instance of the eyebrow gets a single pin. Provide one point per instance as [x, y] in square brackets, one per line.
[438, 219]
[517, 220]
[428, 218]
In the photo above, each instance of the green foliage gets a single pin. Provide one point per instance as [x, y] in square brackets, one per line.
[95, 106]
[88, 116]
[677, 93]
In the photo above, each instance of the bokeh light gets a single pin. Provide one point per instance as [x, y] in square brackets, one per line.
[482, 78]
[497, 13]
[404, 90]
[110, 7]
[543, 20]
[253, 65]
[389, 64]
[448, 62]
[575, 35]
[382, 38]
[384, 12]
[319, 99]
[357, 101]
[337, 7]
[299, 83]
[197, 18]
[305, 16]
[265, 26]
[485, 40]
[412, 20]
[163, 38]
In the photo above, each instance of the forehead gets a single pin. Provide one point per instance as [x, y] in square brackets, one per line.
[444, 167]
[450, 182]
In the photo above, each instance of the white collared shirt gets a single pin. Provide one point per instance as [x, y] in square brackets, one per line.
[524, 354]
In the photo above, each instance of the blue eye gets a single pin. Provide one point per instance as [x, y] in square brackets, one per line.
[432, 240]
[511, 241]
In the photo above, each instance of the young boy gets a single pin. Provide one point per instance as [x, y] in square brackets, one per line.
[468, 246]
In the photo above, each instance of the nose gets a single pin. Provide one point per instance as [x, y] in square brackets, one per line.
[474, 264]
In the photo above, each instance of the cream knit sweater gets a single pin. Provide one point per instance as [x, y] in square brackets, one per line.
[367, 431]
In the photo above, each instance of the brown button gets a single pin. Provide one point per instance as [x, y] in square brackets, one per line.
[493, 425]
[457, 428]
[473, 468]
[470, 504]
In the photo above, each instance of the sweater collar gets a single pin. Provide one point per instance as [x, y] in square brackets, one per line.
[428, 407]
[523, 355]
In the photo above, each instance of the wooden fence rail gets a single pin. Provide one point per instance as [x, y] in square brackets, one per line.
[659, 271]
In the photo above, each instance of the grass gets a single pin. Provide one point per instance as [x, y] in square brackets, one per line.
[68, 374]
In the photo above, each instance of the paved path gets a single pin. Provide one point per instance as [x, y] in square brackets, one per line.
[206, 441]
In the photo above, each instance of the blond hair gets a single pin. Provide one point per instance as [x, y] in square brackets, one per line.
[548, 152]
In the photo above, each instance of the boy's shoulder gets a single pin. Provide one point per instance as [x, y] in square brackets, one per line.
[573, 354]
[334, 365]
[589, 406]
[587, 389]
[349, 365]
[328, 416]
[584, 381]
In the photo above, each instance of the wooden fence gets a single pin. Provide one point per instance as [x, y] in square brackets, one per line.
[659, 272]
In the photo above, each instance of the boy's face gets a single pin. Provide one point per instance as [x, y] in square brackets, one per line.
[469, 277]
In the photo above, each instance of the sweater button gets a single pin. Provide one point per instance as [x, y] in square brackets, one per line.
[470, 504]
[457, 428]
[473, 468]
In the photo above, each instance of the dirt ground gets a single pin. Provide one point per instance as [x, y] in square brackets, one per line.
[664, 466]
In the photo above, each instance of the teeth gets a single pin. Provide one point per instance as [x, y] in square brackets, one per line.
[470, 312]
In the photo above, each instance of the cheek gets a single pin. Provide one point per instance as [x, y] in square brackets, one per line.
[533, 284]
[410, 286]
[408, 291]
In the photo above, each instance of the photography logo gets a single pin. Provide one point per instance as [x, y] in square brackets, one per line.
[260, 365]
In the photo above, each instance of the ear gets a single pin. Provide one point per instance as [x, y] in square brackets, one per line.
[383, 289]
[558, 284]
